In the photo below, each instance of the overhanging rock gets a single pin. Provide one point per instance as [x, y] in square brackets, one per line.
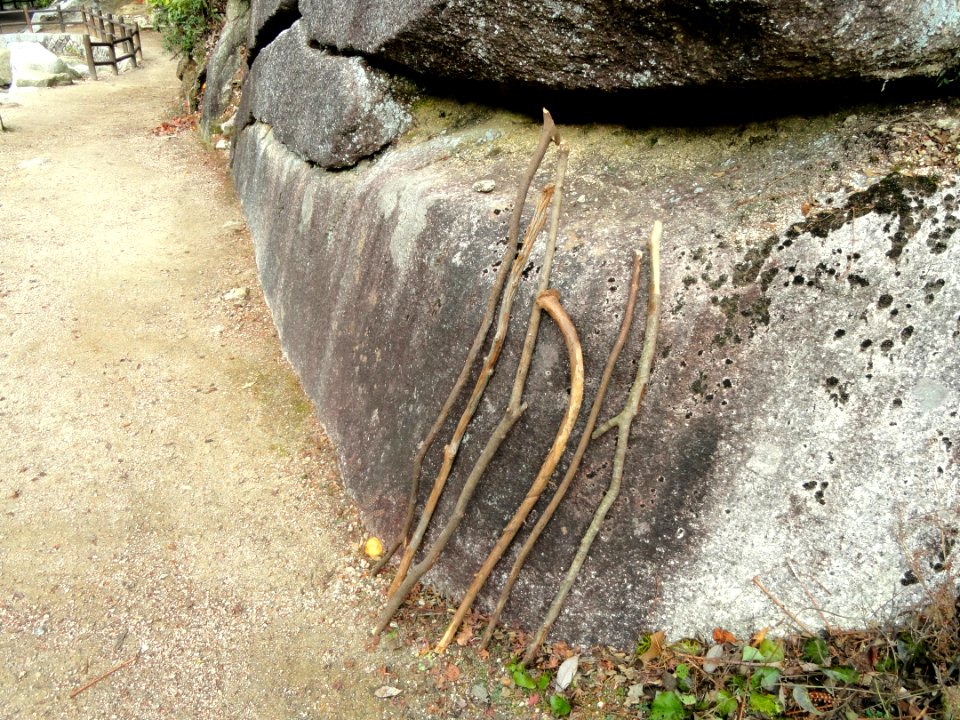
[801, 424]
[603, 45]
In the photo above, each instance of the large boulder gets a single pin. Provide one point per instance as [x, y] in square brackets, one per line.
[331, 110]
[32, 65]
[6, 72]
[801, 422]
[605, 45]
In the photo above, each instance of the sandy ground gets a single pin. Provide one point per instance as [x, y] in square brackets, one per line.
[167, 498]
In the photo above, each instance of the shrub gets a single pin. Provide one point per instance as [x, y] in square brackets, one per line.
[183, 23]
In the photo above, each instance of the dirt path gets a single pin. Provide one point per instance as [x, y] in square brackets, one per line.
[165, 493]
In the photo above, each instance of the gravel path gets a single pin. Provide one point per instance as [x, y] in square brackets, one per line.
[166, 495]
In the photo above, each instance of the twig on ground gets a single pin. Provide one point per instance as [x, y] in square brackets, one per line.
[622, 421]
[549, 301]
[548, 134]
[577, 457]
[813, 600]
[512, 413]
[781, 606]
[104, 676]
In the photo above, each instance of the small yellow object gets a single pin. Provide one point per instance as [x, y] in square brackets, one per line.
[373, 548]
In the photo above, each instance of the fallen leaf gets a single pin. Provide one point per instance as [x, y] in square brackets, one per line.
[723, 636]
[567, 671]
[657, 642]
[465, 635]
[759, 637]
[451, 672]
[386, 691]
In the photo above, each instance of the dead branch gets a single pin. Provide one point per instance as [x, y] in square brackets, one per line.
[548, 134]
[549, 301]
[489, 366]
[512, 413]
[623, 420]
[574, 466]
[103, 676]
[783, 608]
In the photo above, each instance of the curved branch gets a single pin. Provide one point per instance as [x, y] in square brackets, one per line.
[489, 366]
[574, 466]
[512, 413]
[549, 301]
[623, 420]
[548, 134]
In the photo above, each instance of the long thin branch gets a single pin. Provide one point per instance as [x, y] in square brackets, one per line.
[622, 421]
[103, 676]
[574, 466]
[512, 413]
[549, 301]
[548, 134]
[486, 372]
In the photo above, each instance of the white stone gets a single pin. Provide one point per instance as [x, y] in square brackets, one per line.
[237, 296]
[28, 56]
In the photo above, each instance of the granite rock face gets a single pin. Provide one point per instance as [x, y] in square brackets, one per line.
[606, 45]
[801, 423]
[805, 377]
[333, 111]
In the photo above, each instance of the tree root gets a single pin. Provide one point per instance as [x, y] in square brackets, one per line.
[622, 421]
[574, 466]
[548, 134]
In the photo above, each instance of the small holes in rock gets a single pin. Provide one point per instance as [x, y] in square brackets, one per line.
[832, 381]
[886, 345]
[727, 383]
[810, 485]
[897, 403]
[865, 344]
[909, 578]
[839, 333]
[906, 333]
[885, 300]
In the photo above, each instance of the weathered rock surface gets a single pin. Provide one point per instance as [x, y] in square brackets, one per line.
[333, 111]
[223, 66]
[604, 45]
[6, 72]
[268, 18]
[68, 47]
[802, 417]
[32, 65]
